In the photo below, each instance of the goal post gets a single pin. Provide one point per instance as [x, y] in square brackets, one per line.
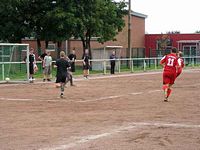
[12, 64]
[108, 51]
[101, 57]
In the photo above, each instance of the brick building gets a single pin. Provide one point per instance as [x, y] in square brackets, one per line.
[156, 44]
[138, 38]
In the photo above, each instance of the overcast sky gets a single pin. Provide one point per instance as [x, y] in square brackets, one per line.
[169, 15]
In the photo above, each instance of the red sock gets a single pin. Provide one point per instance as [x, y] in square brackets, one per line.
[169, 92]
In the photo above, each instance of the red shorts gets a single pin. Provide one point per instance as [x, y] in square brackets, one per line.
[178, 72]
[169, 77]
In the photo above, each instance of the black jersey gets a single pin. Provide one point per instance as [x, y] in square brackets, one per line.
[31, 58]
[62, 66]
[86, 58]
[43, 55]
[72, 56]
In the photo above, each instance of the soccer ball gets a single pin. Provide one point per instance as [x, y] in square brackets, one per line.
[7, 79]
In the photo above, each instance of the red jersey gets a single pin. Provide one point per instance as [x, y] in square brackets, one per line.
[181, 65]
[181, 62]
[170, 61]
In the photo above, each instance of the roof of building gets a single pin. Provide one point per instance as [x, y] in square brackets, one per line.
[189, 41]
[138, 14]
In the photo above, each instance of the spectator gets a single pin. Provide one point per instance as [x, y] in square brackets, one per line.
[47, 65]
[112, 62]
[86, 64]
[72, 58]
[41, 58]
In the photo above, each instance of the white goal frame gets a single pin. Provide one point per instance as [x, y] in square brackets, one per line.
[110, 47]
[27, 59]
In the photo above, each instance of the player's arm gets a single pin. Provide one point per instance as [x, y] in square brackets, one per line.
[40, 58]
[162, 61]
[55, 65]
[84, 60]
[179, 63]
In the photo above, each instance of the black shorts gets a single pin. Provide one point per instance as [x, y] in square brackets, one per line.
[61, 78]
[72, 67]
[31, 68]
[86, 67]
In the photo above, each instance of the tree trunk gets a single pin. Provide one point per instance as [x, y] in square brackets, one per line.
[84, 44]
[46, 44]
[59, 44]
[38, 46]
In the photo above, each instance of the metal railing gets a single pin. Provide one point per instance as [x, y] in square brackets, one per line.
[101, 66]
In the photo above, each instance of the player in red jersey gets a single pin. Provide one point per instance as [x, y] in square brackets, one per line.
[181, 63]
[170, 63]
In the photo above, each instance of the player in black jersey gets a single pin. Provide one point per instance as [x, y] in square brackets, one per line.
[62, 65]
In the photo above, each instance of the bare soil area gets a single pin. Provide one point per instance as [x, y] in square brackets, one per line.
[123, 112]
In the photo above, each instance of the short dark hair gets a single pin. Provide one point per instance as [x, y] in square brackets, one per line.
[174, 50]
[180, 54]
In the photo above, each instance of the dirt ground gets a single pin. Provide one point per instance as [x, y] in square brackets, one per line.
[120, 112]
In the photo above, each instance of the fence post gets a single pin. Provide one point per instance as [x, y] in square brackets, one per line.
[155, 63]
[104, 66]
[193, 62]
[131, 64]
[3, 73]
[119, 65]
[144, 64]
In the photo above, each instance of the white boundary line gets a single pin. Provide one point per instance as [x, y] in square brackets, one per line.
[90, 78]
[105, 77]
[79, 101]
[133, 125]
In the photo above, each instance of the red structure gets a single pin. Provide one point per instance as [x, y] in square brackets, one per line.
[188, 43]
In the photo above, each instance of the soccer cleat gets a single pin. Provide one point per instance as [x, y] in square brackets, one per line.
[48, 79]
[44, 80]
[61, 95]
[166, 99]
[31, 80]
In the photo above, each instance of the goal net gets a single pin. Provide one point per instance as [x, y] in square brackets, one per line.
[12, 64]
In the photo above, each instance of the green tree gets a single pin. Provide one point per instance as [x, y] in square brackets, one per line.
[59, 23]
[98, 18]
[12, 25]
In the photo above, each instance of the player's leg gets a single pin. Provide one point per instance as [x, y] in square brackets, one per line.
[62, 86]
[87, 72]
[178, 72]
[165, 89]
[62, 89]
[169, 90]
[31, 72]
[44, 73]
[166, 81]
[172, 80]
[71, 79]
[49, 73]
[84, 73]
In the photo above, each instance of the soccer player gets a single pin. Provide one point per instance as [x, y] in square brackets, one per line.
[181, 63]
[41, 57]
[69, 71]
[47, 66]
[32, 65]
[61, 64]
[72, 58]
[170, 63]
[86, 64]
